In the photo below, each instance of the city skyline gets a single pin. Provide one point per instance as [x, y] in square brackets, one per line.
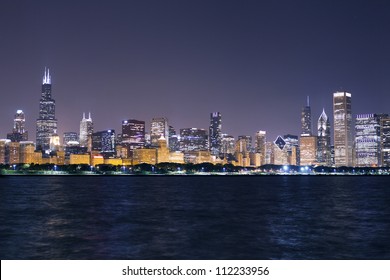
[251, 61]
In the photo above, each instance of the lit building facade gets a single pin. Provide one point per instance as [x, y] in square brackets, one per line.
[323, 140]
[306, 119]
[19, 132]
[86, 130]
[280, 152]
[292, 145]
[367, 140]
[385, 141]
[46, 122]
[159, 128]
[133, 134]
[193, 139]
[260, 145]
[308, 150]
[215, 133]
[104, 141]
[174, 142]
[70, 138]
[342, 117]
[228, 145]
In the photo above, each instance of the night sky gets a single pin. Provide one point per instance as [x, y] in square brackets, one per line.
[253, 61]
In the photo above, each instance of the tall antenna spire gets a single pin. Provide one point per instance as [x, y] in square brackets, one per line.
[83, 115]
[46, 77]
[89, 116]
[308, 101]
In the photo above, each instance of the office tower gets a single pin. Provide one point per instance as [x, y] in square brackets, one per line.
[227, 145]
[323, 140]
[27, 149]
[86, 130]
[247, 140]
[342, 117]
[280, 153]
[260, 145]
[292, 146]
[133, 134]
[46, 122]
[4, 151]
[71, 137]
[54, 142]
[306, 119]
[18, 132]
[159, 128]
[385, 141]
[308, 150]
[104, 142]
[193, 139]
[367, 140]
[174, 144]
[215, 133]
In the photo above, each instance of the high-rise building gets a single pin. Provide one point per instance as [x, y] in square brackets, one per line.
[292, 146]
[247, 140]
[306, 119]
[228, 145]
[308, 150]
[174, 144]
[260, 145]
[323, 140]
[367, 140]
[133, 134]
[18, 132]
[193, 139]
[215, 133]
[46, 122]
[86, 130]
[280, 153]
[159, 128]
[104, 142]
[385, 141]
[71, 137]
[342, 117]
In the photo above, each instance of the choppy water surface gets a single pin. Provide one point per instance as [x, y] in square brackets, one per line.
[203, 217]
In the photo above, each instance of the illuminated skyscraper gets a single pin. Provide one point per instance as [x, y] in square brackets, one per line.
[342, 117]
[18, 132]
[323, 140]
[385, 141]
[46, 122]
[260, 145]
[86, 130]
[367, 140]
[215, 133]
[306, 119]
[104, 142]
[228, 145]
[193, 139]
[71, 137]
[159, 127]
[133, 134]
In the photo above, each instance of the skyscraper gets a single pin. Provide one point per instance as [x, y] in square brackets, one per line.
[367, 140]
[18, 132]
[86, 130]
[104, 142]
[306, 119]
[323, 140]
[342, 117]
[193, 139]
[260, 145]
[385, 141]
[159, 128]
[215, 133]
[46, 122]
[133, 134]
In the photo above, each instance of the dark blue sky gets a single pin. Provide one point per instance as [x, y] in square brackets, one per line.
[254, 61]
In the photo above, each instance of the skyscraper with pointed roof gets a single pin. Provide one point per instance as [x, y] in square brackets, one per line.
[46, 122]
[86, 130]
[323, 140]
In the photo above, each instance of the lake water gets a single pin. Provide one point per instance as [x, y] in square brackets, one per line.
[195, 217]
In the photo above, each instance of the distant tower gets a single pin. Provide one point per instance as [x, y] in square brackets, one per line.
[215, 133]
[306, 119]
[46, 122]
[18, 132]
[260, 145]
[86, 130]
[159, 127]
[323, 144]
[342, 117]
